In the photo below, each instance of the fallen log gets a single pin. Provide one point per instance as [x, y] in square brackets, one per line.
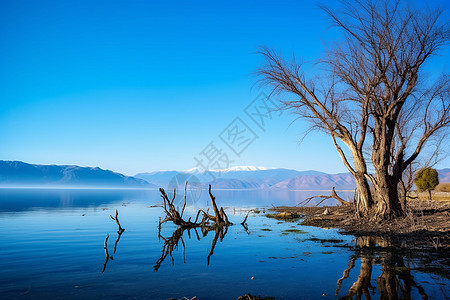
[333, 195]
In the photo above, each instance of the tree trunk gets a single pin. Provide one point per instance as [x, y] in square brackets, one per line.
[364, 201]
[381, 201]
[429, 194]
[387, 200]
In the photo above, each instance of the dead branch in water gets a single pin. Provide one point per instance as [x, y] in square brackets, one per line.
[173, 214]
[116, 218]
[245, 219]
[333, 195]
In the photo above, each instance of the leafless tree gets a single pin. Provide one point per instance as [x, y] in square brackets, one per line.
[374, 101]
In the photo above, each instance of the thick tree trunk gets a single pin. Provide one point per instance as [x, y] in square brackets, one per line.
[386, 196]
[381, 201]
[364, 201]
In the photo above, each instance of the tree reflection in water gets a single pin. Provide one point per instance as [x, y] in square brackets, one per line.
[171, 243]
[395, 280]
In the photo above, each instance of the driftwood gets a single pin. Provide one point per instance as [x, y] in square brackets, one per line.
[333, 195]
[245, 219]
[116, 218]
[219, 225]
[174, 215]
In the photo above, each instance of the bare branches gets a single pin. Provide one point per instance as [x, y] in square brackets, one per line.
[172, 214]
[116, 218]
[245, 219]
[374, 93]
[333, 195]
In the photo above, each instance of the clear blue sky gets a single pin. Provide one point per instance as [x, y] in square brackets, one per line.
[138, 86]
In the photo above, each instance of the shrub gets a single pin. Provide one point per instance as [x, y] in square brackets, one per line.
[426, 180]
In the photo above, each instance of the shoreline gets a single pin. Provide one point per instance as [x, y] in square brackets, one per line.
[426, 225]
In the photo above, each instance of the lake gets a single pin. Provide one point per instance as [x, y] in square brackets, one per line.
[53, 248]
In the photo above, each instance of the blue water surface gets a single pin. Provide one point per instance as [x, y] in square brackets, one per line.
[53, 248]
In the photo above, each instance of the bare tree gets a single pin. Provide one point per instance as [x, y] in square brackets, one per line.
[374, 101]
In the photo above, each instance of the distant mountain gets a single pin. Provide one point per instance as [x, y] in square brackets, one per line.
[444, 175]
[241, 177]
[251, 177]
[16, 173]
[159, 178]
[343, 181]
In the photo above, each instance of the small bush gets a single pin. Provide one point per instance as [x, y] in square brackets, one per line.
[426, 180]
[443, 187]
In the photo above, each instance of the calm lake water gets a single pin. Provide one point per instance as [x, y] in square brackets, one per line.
[53, 248]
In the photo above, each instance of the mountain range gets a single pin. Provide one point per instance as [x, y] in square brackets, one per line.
[250, 177]
[16, 173]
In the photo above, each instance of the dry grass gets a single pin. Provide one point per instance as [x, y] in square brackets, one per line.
[435, 195]
[443, 187]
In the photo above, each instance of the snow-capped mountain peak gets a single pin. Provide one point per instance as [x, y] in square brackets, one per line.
[197, 170]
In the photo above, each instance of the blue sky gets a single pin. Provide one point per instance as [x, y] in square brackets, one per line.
[138, 86]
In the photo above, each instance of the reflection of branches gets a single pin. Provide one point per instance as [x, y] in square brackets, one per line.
[362, 283]
[351, 265]
[106, 253]
[394, 280]
[393, 274]
[117, 240]
[119, 232]
[220, 231]
[171, 244]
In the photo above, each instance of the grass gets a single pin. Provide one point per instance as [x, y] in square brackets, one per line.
[439, 194]
[443, 187]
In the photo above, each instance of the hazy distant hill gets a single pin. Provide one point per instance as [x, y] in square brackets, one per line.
[240, 177]
[250, 177]
[16, 173]
[444, 175]
[343, 181]
[159, 178]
